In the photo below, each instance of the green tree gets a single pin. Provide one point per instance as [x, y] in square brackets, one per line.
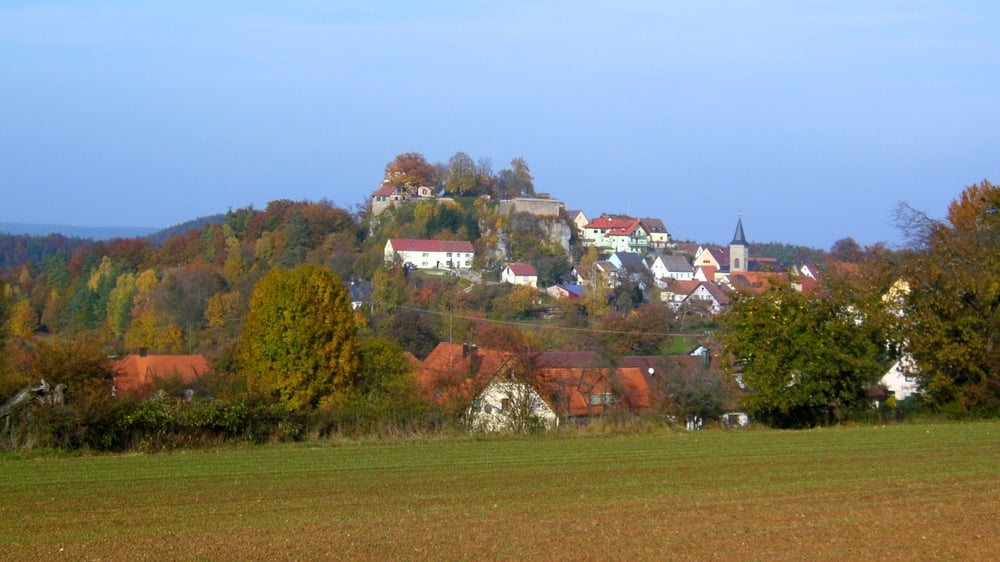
[120, 302]
[300, 341]
[297, 237]
[460, 175]
[385, 375]
[952, 313]
[803, 359]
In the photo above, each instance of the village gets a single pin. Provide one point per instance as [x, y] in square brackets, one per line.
[633, 250]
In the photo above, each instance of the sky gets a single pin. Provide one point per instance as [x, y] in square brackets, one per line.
[813, 120]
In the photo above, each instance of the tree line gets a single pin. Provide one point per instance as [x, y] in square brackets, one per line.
[807, 359]
[263, 294]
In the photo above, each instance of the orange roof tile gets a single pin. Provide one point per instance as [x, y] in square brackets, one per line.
[416, 245]
[134, 372]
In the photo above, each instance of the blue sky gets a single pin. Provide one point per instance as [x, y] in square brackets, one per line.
[812, 118]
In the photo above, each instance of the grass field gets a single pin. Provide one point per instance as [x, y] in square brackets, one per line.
[897, 492]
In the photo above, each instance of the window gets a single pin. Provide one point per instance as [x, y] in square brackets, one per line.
[600, 399]
[424, 255]
[448, 254]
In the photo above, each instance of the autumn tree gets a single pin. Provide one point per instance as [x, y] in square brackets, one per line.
[414, 331]
[484, 175]
[23, 319]
[82, 365]
[300, 341]
[385, 375]
[460, 175]
[846, 250]
[515, 302]
[515, 181]
[952, 312]
[183, 293]
[804, 359]
[637, 332]
[409, 171]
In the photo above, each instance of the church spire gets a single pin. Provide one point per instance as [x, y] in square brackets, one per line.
[739, 250]
[739, 238]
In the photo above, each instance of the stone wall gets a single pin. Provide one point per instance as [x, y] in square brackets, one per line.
[537, 207]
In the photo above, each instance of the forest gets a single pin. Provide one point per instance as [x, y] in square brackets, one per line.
[263, 294]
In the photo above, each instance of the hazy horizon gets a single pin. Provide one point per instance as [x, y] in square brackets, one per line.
[814, 120]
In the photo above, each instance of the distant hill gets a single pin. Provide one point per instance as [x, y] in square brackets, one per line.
[155, 235]
[85, 232]
[161, 236]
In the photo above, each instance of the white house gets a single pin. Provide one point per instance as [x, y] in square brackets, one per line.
[710, 293]
[433, 254]
[900, 380]
[520, 274]
[387, 193]
[672, 267]
[579, 220]
[616, 235]
[659, 238]
[509, 404]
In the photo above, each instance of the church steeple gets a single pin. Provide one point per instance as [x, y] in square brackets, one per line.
[739, 238]
[739, 249]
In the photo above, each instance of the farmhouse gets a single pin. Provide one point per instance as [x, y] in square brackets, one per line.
[616, 235]
[430, 254]
[136, 373]
[672, 267]
[520, 274]
[388, 193]
[499, 386]
[510, 403]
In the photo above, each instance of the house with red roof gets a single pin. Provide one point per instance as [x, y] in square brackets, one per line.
[429, 254]
[708, 294]
[388, 193]
[571, 385]
[614, 234]
[138, 373]
[520, 274]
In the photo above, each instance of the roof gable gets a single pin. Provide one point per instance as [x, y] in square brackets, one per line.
[614, 226]
[136, 371]
[523, 269]
[419, 245]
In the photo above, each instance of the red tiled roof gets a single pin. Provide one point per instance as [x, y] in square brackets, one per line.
[385, 191]
[523, 269]
[415, 245]
[684, 287]
[756, 280]
[134, 372]
[717, 292]
[566, 379]
[614, 225]
[455, 372]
